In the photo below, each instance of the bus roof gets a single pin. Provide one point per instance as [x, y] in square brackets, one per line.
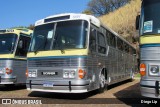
[17, 31]
[69, 16]
[77, 16]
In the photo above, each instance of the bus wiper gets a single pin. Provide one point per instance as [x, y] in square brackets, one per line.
[36, 51]
[62, 49]
[59, 47]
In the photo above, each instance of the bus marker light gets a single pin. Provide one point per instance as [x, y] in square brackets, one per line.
[143, 69]
[81, 73]
[8, 71]
[27, 73]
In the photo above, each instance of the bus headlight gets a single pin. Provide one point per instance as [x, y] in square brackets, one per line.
[154, 70]
[68, 73]
[32, 73]
[72, 74]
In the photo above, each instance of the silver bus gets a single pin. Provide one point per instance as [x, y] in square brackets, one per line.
[14, 44]
[75, 53]
[149, 48]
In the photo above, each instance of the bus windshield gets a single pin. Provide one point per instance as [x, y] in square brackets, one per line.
[7, 43]
[60, 35]
[150, 17]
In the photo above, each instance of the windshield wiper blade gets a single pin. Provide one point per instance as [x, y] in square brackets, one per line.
[59, 47]
[62, 50]
[36, 51]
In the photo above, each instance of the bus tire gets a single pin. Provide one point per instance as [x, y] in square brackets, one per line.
[132, 77]
[102, 83]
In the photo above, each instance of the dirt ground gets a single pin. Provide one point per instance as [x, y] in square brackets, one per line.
[123, 94]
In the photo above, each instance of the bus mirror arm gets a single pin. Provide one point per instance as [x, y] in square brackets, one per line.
[107, 50]
[137, 22]
[134, 54]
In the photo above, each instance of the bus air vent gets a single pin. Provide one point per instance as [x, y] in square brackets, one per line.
[57, 18]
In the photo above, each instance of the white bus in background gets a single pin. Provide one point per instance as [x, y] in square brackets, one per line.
[14, 44]
[75, 53]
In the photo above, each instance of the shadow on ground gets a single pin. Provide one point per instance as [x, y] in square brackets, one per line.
[73, 96]
[131, 96]
[12, 87]
[65, 98]
[68, 96]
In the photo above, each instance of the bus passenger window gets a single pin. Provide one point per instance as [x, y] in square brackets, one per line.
[22, 47]
[108, 37]
[126, 48]
[112, 40]
[119, 44]
[92, 41]
[130, 50]
[101, 43]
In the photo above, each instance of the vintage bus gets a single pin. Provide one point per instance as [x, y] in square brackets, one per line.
[75, 53]
[14, 44]
[149, 29]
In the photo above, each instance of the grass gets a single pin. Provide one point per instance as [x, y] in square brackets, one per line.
[122, 20]
[137, 75]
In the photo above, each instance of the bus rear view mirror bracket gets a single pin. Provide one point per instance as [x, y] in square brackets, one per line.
[137, 22]
[20, 44]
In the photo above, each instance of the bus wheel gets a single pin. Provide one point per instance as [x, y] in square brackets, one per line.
[132, 77]
[102, 83]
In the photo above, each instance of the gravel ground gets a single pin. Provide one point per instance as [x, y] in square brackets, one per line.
[117, 95]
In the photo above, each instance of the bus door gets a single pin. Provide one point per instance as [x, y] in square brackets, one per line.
[92, 68]
[20, 55]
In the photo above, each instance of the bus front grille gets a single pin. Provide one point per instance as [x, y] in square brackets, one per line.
[150, 53]
[57, 62]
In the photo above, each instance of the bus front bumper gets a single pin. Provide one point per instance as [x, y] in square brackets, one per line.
[7, 80]
[70, 86]
[150, 88]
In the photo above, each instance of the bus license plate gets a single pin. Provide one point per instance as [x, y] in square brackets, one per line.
[48, 84]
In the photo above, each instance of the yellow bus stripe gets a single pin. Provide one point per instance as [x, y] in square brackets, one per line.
[58, 53]
[149, 39]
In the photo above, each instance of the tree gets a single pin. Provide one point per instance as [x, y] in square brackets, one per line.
[18, 27]
[31, 26]
[88, 12]
[102, 7]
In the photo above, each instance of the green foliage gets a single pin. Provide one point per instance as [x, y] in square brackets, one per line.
[31, 27]
[18, 27]
[88, 12]
[102, 7]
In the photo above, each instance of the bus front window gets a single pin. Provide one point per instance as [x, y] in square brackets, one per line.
[70, 35]
[150, 17]
[66, 35]
[7, 43]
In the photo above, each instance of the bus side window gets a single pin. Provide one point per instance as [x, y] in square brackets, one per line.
[130, 50]
[23, 46]
[126, 47]
[92, 41]
[119, 44]
[107, 38]
[112, 40]
[101, 43]
[134, 52]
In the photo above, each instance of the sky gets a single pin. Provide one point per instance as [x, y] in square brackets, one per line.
[25, 12]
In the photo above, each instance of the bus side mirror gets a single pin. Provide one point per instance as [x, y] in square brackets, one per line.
[20, 44]
[137, 22]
